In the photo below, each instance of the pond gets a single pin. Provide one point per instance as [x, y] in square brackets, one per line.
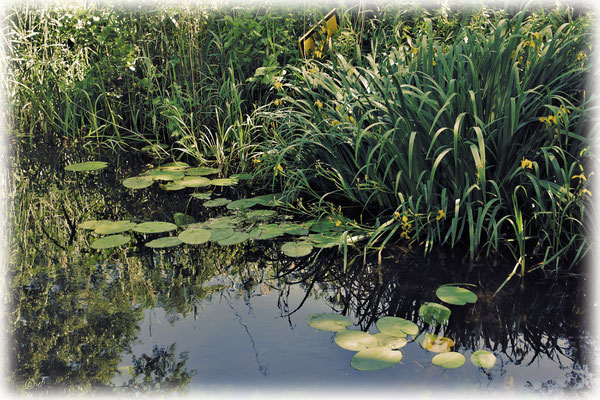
[230, 320]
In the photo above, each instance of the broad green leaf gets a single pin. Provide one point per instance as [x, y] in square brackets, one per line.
[183, 220]
[396, 326]
[223, 182]
[91, 224]
[296, 249]
[201, 171]
[448, 360]
[163, 242]
[329, 322]
[86, 166]
[202, 196]
[375, 358]
[138, 182]
[295, 229]
[154, 227]
[172, 186]
[325, 226]
[455, 295]
[391, 342]
[160, 175]
[483, 359]
[242, 177]
[217, 235]
[110, 241]
[112, 227]
[195, 236]
[321, 240]
[434, 313]
[216, 202]
[355, 340]
[261, 214]
[194, 181]
[236, 238]
[268, 231]
[241, 204]
[268, 200]
[174, 166]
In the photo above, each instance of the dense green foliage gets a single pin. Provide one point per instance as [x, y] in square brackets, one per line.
[458, 127]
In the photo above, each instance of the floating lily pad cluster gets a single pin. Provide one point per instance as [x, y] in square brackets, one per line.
[179, 175]
[86, 166]
[382, 349]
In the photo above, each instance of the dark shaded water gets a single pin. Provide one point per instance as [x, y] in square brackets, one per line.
[221, 320]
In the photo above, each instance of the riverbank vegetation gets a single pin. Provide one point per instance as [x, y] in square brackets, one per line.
[438, 128]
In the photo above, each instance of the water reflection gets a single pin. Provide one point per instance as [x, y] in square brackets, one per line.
[84, 320]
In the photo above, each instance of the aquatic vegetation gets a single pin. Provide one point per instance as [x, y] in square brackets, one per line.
[154, 227]
[195, 236]
[375, 358]
[434, 313]
[163, 242]
[109, 242]
[296, 249]
[448, 360]
[456, 295]
[86, 166]
[354, 340]
[329, 322]
[397, 327]
[483, 359]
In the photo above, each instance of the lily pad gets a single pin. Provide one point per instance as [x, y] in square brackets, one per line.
[216, 202]
[174, 166]
[435, 343]
[295, 229]
[160, 175]
[241, 204]
[195, 236]
[268, 231]
[434, 313]
[217, 235]
[220, 222]
[396, 326]
[296, 249]
[449, 360]
[375, 358]
[154, 227]
[202, 195]
[268, 200]
[194, 181]
[201, 171]
[224, 182]
[108, 242]
[321, 240]
[138, 182]
[391, 342]
[355, 340]
[329, 322]
[325, 226]
[242, 177]
[182, 219]
[163, 242]
[483, 359]
[90, 225]
[455, 295]
[176, 185]
[261, 214]
[112, 227]
[86, 166]
[236, 238]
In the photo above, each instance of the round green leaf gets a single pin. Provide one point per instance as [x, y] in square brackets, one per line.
[217, 235]
[160, 175]
[201, 171]
[217, 202]
[295, 229]
[138, 182]
[172, 186]
[182, 219]
[355, 340]
[236, 238]
[321, 240]
[110, 241]
[296, 249]
[449, 360]
[329, 322]
[90, 225]
[395, 326]
[375, 358]
[174, 166]
[195, 236]
[242, 177]
[261, 214]
[325, 226]
[483, 359]
[202, 196]
[434, 313]
[194, 181]
[163, 242]
[391, 342]
[154, 227]
[455, 295]
[268, 231]
[241, 204]
[268, 200]
[112, 227]
[220, 222]
[223, 182]
[86, 166]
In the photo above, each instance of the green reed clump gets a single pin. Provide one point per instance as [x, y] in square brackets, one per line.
[480, 141]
